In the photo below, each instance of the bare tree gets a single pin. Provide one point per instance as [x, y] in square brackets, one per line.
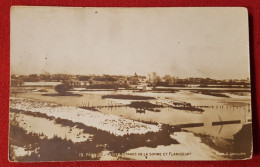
[167, 79]
[156, 79]
[62, 88]
[90, 81]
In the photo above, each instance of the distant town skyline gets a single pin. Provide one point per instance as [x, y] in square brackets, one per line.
[181, 42]
[149, 74]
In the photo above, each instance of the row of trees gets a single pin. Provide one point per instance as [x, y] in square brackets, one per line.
[152, 80]
[168, 80]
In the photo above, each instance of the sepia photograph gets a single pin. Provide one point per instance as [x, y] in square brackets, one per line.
[164, 83]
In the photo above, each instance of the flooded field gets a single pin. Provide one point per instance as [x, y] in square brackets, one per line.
[129, 84]
[197, 126]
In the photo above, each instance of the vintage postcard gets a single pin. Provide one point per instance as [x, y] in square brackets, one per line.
[129, 84]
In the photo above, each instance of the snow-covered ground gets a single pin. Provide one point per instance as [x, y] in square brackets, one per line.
[110, 123]
[190, 148]
[41, 83]
[41, 126]
[21, 151]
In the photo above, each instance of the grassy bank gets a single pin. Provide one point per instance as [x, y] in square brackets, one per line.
[128, 97]
[211, 93]
[62, 94]
[188, 108]
[107, 86]
[144, 104]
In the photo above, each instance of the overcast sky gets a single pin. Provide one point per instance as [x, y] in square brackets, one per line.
[184, 42]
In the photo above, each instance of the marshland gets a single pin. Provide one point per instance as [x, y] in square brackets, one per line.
[71, 117]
